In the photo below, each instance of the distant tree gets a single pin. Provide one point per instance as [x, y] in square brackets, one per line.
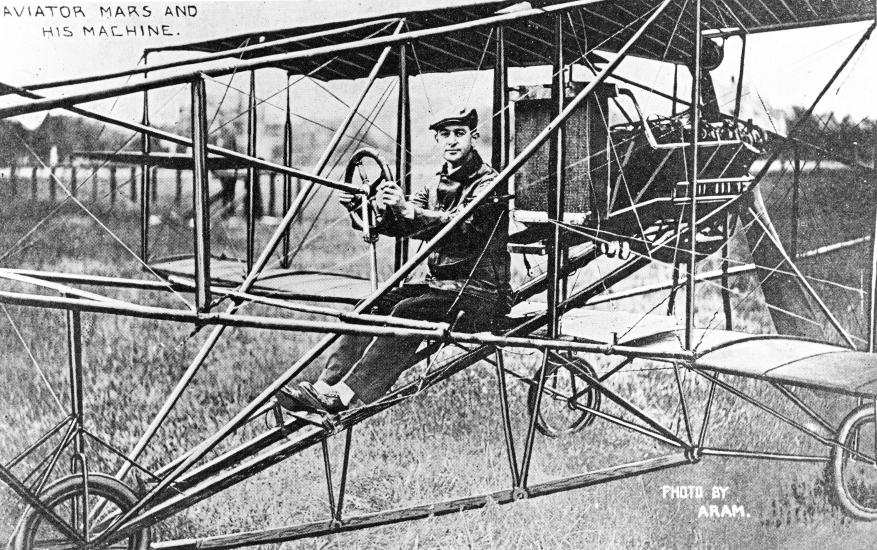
[67, 133]
[12, 138]
[846, 138]
[70, 134]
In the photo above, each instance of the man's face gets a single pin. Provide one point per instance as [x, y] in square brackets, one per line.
[455, 141]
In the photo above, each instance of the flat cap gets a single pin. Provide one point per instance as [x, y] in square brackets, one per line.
[462, 117]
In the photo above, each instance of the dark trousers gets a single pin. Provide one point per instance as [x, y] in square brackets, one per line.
[370, 366]
[226, 193]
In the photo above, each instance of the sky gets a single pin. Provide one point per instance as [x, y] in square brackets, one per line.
[783, 69]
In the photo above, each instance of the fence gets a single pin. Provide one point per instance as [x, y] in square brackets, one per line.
[120, 186]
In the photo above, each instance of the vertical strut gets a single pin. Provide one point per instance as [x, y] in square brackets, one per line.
[370, 240]
[74, 350]
[403, 147]
[726, 290]
[499, 158]
[674, 284]
[200, 195]
[555, 213]
[692, 185]
[287, 179]
[327, 465]
[872, 294]
[706, 414]
[79, 508]
[252, 174]
[556, 181]
[345, 466]
[144, 178]
[506, 417]
[501, 130]
[796, 183]
[739, 94]
[682, 402]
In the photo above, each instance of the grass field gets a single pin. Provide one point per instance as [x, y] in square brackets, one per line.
[446, 443]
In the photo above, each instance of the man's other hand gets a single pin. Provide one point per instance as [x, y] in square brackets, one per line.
[350, 201]
[390, 196]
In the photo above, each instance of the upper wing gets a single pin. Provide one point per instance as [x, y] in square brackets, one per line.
[590, 25]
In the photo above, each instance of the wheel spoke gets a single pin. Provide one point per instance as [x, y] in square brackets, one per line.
[379, 180]
[572, 385]
[854, 474]
[53, 544]
[560, 411]
[859, 475]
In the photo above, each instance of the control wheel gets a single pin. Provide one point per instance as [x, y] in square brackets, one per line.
[366, 168]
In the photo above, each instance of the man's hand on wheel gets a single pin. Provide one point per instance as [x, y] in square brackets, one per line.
[390, 195]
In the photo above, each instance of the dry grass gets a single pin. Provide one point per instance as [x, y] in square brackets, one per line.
[444, 444]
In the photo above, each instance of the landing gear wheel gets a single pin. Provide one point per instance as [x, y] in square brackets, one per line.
[64, 498]
[854, 476]
[565, 392]
[371, 170]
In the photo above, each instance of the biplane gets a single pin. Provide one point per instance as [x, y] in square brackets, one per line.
[591, 177]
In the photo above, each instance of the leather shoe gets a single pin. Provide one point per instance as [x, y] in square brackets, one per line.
[307, 397]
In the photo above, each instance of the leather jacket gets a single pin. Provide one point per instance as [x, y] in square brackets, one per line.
[473, 258]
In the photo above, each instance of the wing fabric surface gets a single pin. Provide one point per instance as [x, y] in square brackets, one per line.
[598, 25]
[775, 358]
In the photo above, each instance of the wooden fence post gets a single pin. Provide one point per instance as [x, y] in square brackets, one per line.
[73, 182]
[53, 186]
[178, 195]
[113, 185]
[95, 172]
[132, 181]
[33, 183]
[13, 179]
[153, 189]
[272, 189]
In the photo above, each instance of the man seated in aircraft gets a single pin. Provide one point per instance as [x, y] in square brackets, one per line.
[468, 280]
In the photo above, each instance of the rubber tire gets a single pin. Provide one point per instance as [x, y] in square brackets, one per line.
[100, 485]
[591, 399]
[847, 502]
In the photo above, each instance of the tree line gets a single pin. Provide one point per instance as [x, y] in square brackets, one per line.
[845, 137]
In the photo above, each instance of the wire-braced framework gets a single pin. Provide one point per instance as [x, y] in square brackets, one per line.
[679, 193]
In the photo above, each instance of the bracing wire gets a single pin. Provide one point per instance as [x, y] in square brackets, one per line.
[33, 359]
[97, 220]
[18, 244]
